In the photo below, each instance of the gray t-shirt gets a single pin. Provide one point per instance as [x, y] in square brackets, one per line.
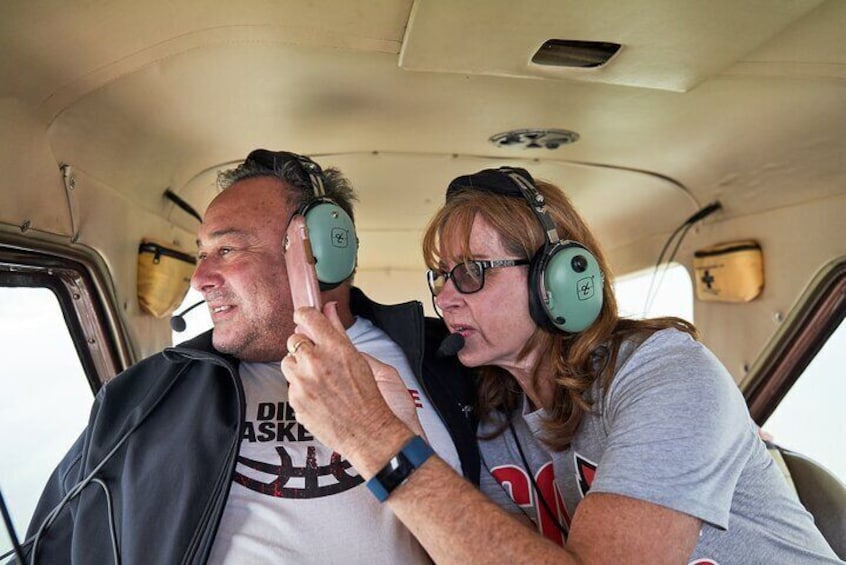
[672, 429]
[293, 499]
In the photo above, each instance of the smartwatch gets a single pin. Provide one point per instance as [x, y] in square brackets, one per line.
[399, 468]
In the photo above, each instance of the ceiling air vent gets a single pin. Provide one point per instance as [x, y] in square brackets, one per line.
[579, 54]
[534, 138]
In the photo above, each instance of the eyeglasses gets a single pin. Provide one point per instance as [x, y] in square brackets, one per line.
[469, 276]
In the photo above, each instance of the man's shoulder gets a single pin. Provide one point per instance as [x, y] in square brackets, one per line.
[201, 342]
[160, 368]
[139, 379]
[363, 305]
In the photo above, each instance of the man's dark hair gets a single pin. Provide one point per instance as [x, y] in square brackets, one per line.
[288, 168]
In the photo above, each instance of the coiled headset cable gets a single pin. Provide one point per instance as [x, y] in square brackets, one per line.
[77, 489]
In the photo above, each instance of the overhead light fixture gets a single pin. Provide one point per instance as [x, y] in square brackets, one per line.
[533, 138]
[578, 54]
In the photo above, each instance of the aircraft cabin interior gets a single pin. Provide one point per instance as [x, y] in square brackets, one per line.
[703, 142]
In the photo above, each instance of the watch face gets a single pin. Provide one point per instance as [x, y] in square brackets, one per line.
[397, 470]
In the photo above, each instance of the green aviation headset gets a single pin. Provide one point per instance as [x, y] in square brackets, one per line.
[331, 230]
[565, 280]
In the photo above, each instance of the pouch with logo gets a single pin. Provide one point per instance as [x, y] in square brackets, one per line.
[729, 272]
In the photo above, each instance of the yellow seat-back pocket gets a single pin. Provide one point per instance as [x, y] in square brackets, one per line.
[164, 275]
[729, 272]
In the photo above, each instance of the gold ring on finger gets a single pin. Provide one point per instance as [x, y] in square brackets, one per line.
[293, 350]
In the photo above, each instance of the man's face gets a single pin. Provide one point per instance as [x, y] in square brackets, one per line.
[241, 271]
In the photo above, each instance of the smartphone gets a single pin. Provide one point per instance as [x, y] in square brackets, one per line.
[302, 278]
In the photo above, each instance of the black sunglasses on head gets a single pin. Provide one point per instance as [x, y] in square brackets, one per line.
[275, 160]
[497, 181]
[278, 159]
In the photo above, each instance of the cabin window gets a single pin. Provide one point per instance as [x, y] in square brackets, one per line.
[60, 344]
[666, 291]
[796, 392]
[809, 419]
[45, 397]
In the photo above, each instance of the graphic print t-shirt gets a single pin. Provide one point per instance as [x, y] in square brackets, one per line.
[672, 429]
[294, 500]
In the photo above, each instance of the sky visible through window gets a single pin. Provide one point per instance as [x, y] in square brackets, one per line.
[44, 398]
[810, 419]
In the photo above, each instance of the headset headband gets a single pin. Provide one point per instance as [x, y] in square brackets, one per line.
[513, 182]
[276, 160]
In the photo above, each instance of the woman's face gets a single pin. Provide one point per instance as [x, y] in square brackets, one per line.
[494, 321]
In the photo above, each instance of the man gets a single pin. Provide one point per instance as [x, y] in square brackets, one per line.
[194, 455]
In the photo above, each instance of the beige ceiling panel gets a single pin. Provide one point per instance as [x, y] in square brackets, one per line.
[817, 39]
[399, 193]
[813, 47]
[75, 48]
[32, 194]
[667, 44]
[165, 124]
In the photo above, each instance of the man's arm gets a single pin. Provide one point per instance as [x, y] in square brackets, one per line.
[336, 398]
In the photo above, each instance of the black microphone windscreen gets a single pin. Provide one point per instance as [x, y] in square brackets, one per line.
[451, 345]
[177, 323]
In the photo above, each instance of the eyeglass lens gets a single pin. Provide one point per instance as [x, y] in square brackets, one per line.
[467, 277]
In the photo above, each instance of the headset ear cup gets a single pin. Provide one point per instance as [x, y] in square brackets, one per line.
[333, 242]
[566, 286]
[536, 306]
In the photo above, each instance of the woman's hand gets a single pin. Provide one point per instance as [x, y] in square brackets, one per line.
[395, 393]
[338, 397]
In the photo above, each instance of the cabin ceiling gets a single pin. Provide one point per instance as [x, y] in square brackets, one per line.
[718, 100]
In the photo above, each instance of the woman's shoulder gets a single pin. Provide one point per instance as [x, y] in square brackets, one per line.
[668, 357]
[663, 342]
[670, 375]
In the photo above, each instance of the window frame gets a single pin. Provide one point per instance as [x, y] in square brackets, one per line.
[817, 316]
[91, 320]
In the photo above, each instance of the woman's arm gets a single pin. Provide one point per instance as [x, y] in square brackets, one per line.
[335, 395]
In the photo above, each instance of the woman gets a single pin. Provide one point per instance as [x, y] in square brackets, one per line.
[619, 440]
